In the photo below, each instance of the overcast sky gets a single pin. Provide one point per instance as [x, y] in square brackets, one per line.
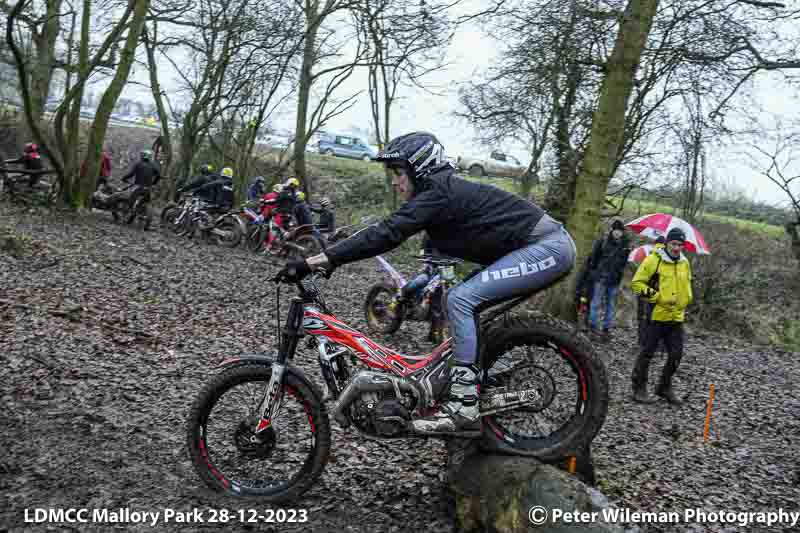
[470, 52]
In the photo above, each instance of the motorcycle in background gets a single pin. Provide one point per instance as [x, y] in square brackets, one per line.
[116, 201]
[263, 234]
[193, 214]
[386, 309]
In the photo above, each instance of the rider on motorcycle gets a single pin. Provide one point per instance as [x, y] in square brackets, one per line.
[412, 289]
[146, 174]
[256, 189]
[30, 160]
[524, 248]
[302, 213]
[327, 218]
[195, 184]
[218, 190]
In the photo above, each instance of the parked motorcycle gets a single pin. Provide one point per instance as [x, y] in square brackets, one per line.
[193, 215]
[260, 428]
[385, 308]
[115, 201]
[15, 185]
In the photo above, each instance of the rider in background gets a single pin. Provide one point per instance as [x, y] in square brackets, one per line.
[327, 218]
[219, 191]
[524, 248]
[195, 184]
[412, 289]
[302, 213]
[146, 174]
[30, 160]
[287, 198]
[256, 189]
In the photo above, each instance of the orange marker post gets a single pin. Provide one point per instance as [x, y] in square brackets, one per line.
[709, 406]
[572, 463]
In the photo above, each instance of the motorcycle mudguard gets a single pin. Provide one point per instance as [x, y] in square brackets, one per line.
[242, 224]
[397, 277]
[303, 230]
[267, 360]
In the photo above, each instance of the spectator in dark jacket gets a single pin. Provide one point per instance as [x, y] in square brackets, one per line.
[607, 263]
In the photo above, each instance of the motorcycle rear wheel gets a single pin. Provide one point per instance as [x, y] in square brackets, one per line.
[233, 235]
[547, 352]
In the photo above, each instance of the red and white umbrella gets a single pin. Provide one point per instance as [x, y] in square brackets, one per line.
[637, 255]
[658, 225]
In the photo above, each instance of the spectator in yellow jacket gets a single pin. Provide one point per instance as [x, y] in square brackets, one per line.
[665, 280]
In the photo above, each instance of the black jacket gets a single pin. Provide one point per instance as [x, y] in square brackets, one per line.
[327, 218]
[218, 191]
[197, 187]
[145, 174]
[608, 259]
[463, 219]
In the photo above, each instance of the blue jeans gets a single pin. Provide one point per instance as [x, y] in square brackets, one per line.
[609, 293]
[538, 264]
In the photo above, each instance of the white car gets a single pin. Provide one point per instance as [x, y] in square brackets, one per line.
[497, 164]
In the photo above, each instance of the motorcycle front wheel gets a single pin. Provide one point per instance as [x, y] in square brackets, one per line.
[383, 315]
[276, 465]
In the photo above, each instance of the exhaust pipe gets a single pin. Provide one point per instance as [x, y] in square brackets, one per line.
[368, 381]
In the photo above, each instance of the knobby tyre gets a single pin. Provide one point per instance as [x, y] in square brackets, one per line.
[380, 317]
[536, 351]
[312, 245]
[231, 233]
[121, 211]
[169, 214]
[256, 238]
[292, 453]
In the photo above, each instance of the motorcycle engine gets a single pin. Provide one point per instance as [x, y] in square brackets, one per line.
[384, 417]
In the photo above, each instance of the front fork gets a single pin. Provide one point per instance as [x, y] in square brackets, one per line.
[273, 395]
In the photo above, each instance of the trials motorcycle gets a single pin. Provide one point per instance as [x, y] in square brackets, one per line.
[385, 310]
[260, 428]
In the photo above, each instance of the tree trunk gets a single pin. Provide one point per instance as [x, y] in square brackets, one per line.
[794, 235]
[303, 95]
[97, 133]
[188, 142]
[70, 146]
[561, 193]
[41, 67]
[163, 117]
[608, 127]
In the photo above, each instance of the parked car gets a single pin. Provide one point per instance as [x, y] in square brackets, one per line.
[497, 164]
[345, 146]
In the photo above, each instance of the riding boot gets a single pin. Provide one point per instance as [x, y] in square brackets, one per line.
[665, 385]
[460, 412]
[639, 380]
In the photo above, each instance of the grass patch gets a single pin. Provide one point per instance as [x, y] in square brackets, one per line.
[644, 207]
[15, 244]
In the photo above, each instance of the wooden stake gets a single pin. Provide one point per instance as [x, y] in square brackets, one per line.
[709, 406]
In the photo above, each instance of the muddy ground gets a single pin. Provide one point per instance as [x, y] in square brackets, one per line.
[107, 333]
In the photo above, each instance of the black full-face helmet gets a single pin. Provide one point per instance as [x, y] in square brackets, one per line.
[419, 152]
